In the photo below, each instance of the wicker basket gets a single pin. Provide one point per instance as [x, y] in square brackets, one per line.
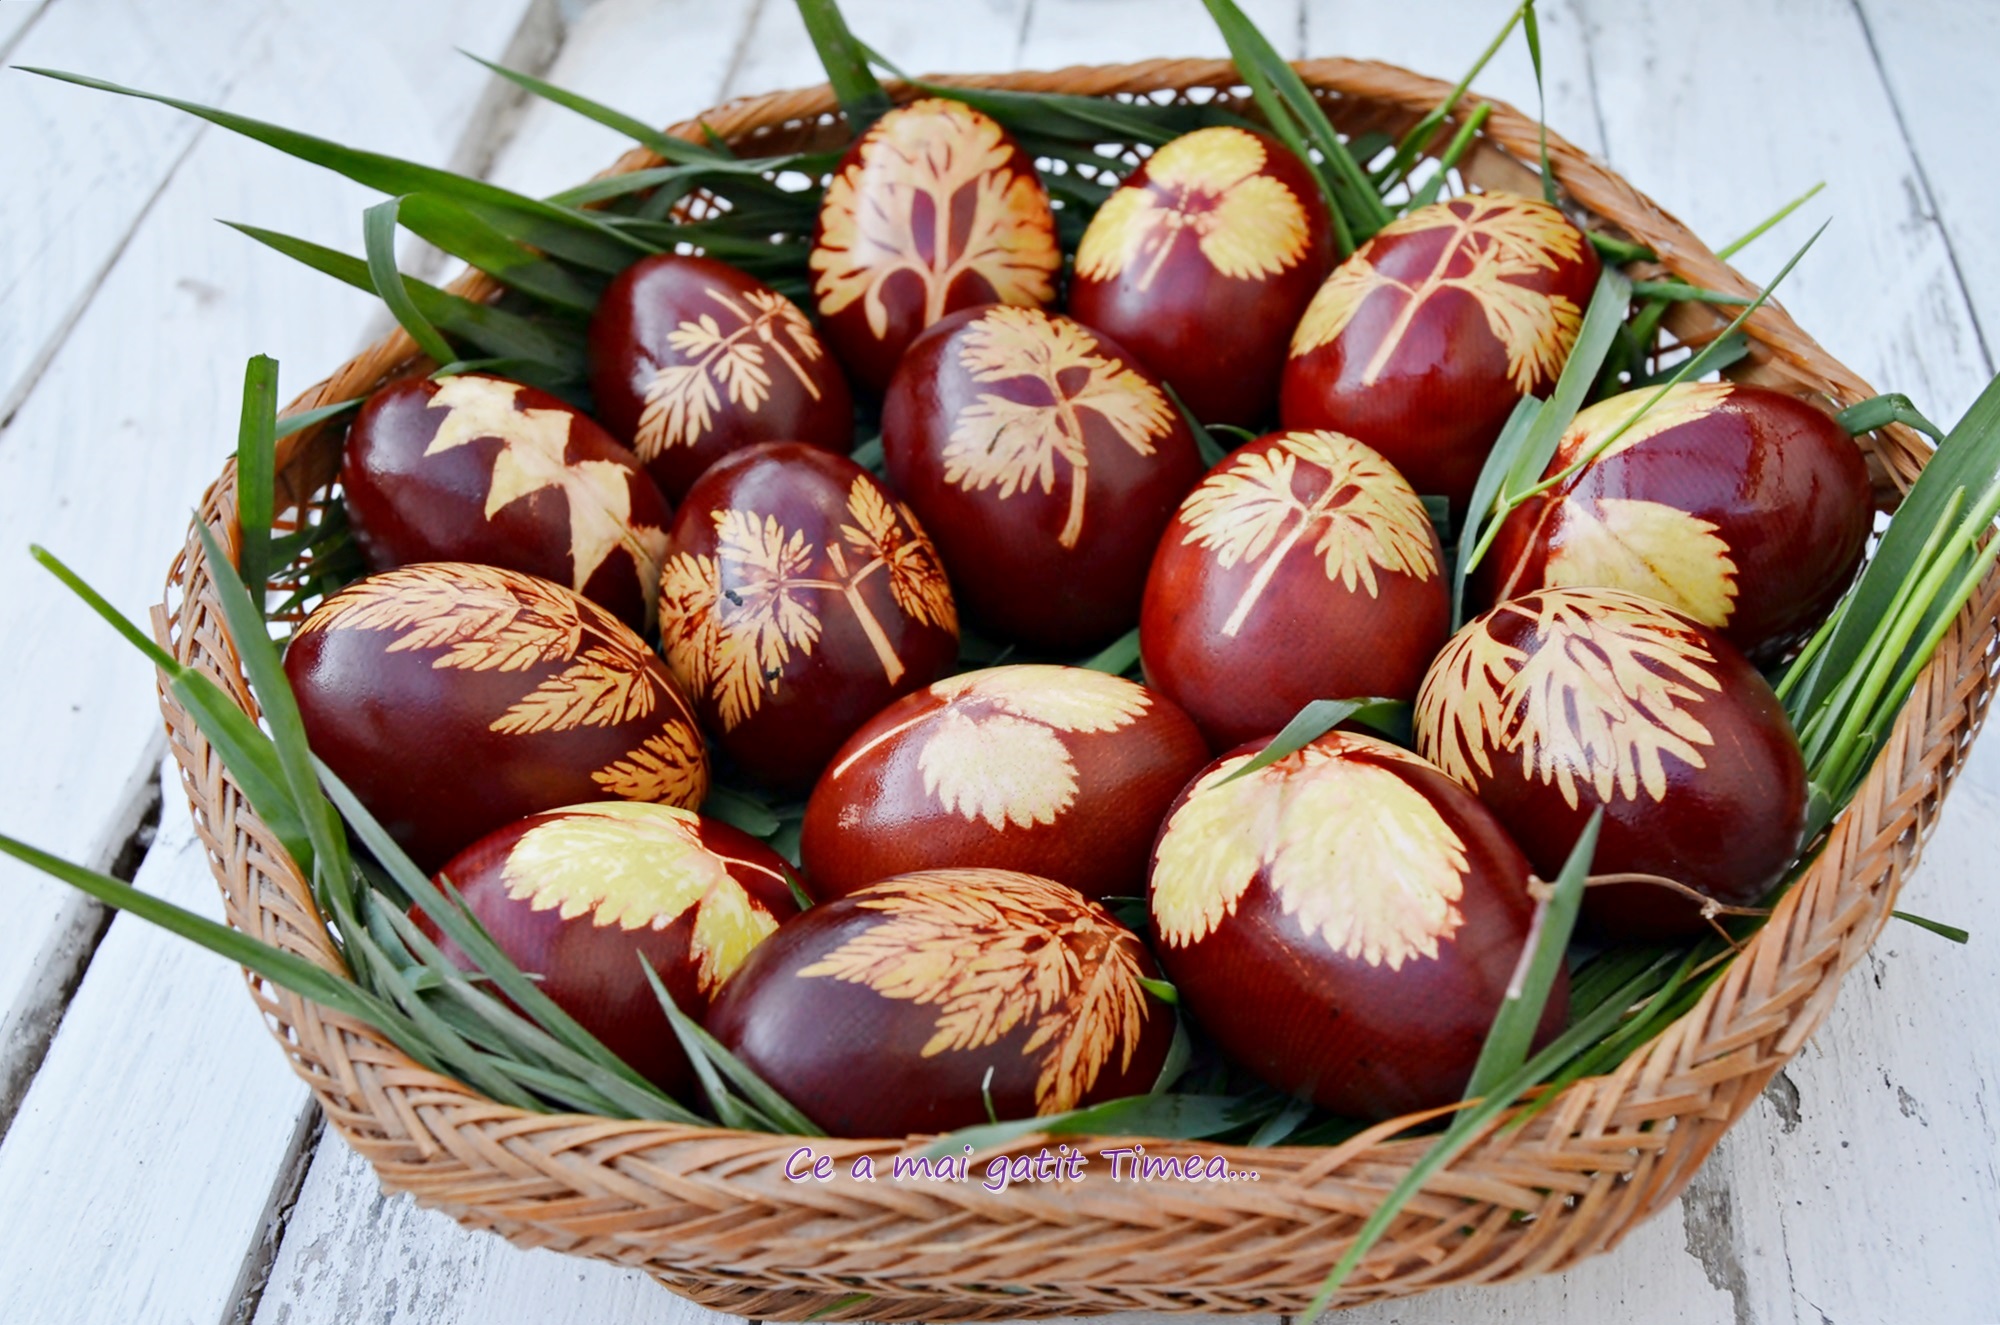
[710, 1213]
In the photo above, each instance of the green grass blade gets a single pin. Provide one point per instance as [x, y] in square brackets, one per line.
[1756, 232]
[1174, 1117]
[475, 241]
[256, 445]
[740, 810]
[1212, 451]
[288, 424]
[1881, 411]
[1483, 513]
[1420, 134]
[860, 95]
[760, 1108]
[378, 231]
[663, 145]
[1117, 657]
[1531, 28]
[1938, 927]
[1314, 721]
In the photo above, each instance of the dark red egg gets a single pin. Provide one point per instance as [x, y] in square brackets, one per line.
[905, 1007]
[477, 468]
[580, 897]
[935, 208]
[1741, 506]
[1060, 772]
[1421, 343]
[1554, 704]
[1344, 922]
[1303, 567]
[798, 599]
[692, 359]
[454, 699]
[1201, 263]
[1046, 461]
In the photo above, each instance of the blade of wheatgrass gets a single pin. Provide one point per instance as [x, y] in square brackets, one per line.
[1116, 657]
[1461, 143]
[287, 424]
[776, 1112]
[256, 445]
[1316, 720]
[1273, 1130]
[740, 810]
[663, 145]
[1413, 143]
[1677, 291]
[1168, 1116]
[1756, 232]
[1720, 353]
[855, 86]
[378, 231]
[477, 242]
[1482, 510]
[1881, 411]
[1212, 451]
[1937, 927]
[1531, 28]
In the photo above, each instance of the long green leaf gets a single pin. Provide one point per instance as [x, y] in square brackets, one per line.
[1316, 720]
[1881, 411]
[1420, 134]
[710, 1057]
[378, 230]
[477, 242]
[1118, 656]
[661, 144]
[1174, 1117]
[860, 95]
[256, 444]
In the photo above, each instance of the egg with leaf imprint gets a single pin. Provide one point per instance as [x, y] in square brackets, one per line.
[1060, 772]
[583, 898]
[1744, 507]
[1201, 262]
[1302, 567]
[798, 599]
[1343, 922]
[933, 209]
[456, 698]
[1421, 343]
[912, 1005]
[691, 359]
[1558, 703]
[477, 468]
[1045, 460]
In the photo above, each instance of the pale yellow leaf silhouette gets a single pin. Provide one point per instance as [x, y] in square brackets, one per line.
[892, 536]
[1461, 719]
[666, 767]
[1681, 404]
[727, 351]
[484, 619]
[600, 688]
[1647, 548]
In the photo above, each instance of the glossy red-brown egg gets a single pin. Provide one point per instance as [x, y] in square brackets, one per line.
[1343, 922]
[798, 599]
[580, 897]
[1060, 772]
[883, 1013]
[1045, 461]
[691, 359]
[1303, 567]
[1421, 343]
[935, 208]
[477, 468]
[455, 698]
[1554, 704]
[1202, 261]
[1741, 506]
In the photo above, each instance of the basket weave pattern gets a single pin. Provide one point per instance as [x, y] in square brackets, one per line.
[709, 1212]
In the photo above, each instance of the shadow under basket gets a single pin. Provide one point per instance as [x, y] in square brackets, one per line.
[710, 1213]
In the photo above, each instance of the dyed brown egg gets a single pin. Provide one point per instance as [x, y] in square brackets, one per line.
[1556, 703]
[1344, 922]
[798, 599]
[934, 209]
[883, 1012]
[476, 468]
[580, 897]
[1302, 568]
[1421, 342]
[692, 359]
[1056, 771]
[1046, 462]
[454, 699]
[1222, 229]
[1740, 506]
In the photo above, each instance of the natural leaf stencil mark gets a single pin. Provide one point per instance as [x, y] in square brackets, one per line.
[1682, 404]
[667, 767]
[682, 398]
[1647, 548]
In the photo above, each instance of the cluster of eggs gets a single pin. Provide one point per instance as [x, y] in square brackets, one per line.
[1343, 921]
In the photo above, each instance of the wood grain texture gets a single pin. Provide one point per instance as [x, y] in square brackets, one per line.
[1065, 32]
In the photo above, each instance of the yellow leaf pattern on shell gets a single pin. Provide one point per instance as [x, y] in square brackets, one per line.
[1647, 548]
[668, 767]
[483, 618]
[601, 688]
[682, 398]
[1681, 404]
[917, 580]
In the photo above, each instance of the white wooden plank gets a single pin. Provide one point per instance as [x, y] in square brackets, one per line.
[1066, 32]
[979, 35]
[15, 19]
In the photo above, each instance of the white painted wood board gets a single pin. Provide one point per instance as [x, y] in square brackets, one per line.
[1066, 32]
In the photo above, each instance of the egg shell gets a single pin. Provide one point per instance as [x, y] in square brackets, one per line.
[880, 1014]
[477, 468]
[798, 599]
[1046, 461]
[1302, 567]
[1744, 507]
[1414, 346]
[1220, 228]
[691, 359]
[1344, 923]
[1060, 772]
[454, 699]
[1556, 703]
[581, 896]
[935, 208]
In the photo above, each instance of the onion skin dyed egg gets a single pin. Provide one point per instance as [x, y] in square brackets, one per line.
[881, 1013]
[934, 209]
[1303, 567]
[1220, 228]
[1060, 772]
[1559, 702]
[1740, 506]
[1421, 343]
[578, 897]
[454, 699]
[799, 599]
[691, 359]
[1047, 461]
[477, 468]
[1343, 922]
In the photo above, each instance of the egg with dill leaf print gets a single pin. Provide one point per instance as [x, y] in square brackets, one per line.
[477, 468]
[1045, 461]
[1565, 701]
[935, 208]
[1344, 922]
[1222, 230]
